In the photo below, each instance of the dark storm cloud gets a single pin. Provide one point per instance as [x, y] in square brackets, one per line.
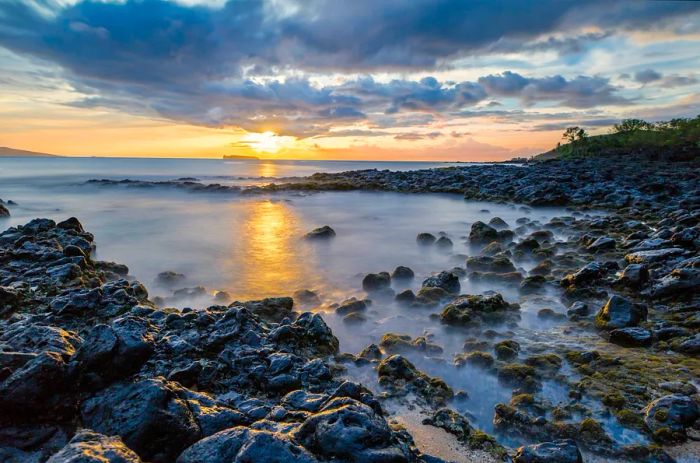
[196, 64]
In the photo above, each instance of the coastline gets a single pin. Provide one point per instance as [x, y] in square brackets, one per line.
[101, 341]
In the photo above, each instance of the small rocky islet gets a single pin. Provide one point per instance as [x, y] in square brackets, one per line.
[93, 370]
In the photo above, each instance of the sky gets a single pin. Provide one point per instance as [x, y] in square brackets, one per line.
[333, 79]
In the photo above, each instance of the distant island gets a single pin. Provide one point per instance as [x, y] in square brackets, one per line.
[239, 156]
[6, 152]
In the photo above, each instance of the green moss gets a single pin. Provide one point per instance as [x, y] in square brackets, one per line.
[481, 440]
[614, 400]
[546, 362]
[630, 418]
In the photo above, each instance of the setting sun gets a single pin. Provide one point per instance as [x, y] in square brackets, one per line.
[266, 142]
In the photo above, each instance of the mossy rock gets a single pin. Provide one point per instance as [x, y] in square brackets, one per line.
[477, 359]
[614, 400]
[545, 362]
[507, 350]
[517, 375]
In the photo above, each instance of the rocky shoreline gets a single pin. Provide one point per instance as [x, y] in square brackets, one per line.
[91, 368]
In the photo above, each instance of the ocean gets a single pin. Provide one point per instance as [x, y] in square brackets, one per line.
[253, 247]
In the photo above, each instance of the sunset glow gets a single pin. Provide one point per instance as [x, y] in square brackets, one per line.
[294, 80]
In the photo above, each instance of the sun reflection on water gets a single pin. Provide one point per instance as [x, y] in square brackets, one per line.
[273, 263]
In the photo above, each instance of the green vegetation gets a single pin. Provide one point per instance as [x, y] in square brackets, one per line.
[632, 136]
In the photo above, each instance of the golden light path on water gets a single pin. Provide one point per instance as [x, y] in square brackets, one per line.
[273, 261]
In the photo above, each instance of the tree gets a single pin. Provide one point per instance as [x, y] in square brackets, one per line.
[632, 125]
[575, 134]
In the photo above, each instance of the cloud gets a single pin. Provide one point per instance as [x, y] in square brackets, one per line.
[247, 64]
[676, 80]
[417, 136]
[579, 92]
[646, 76]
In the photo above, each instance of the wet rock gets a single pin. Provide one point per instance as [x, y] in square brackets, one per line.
[517, 375]
[376, 281]
[473, 310]
[620, 312]
[399, 375]
[550, 314]
[681, 281]
[631, 337]
[492, 249]
[560, 451]
[242, 444]
[690, 345]
[670, 414]
[222, 297]
[272, 308]
[498, 223]
[371, 352]
[402, 273]
[170, 278]
[36, 338]
[482, 233]
[351, 305]
[459, 426]
[533, 284]
[39, 389]
[687, 237]
[447, 281]
[604, 243]
[507, 350]
[498, 264]
[113, 352]
[587, 274]
[477, 359]
[510, 278]
[544, 268]
[653, 256]
[4, 213]
[90, 447]
[354, 318]
[306, 297]
[635, 276]
[150, 416]
[405, 297]
[547, 363]
[351, 431]
[425, 239]
[323, 233]
[444, 243]
[401, 343]
[578, 308]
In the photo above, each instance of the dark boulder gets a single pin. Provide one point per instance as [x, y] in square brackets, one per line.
[351, 431]
[619, 312]
[635, 276]
[245, 445]
[322, 233]
[675, 412]
[39, 389]
[473, 310]
[402, 273]
[560, 451]
[376, 281]
[444, 280]
[151, 417]
[482, 233]
[425, 239]
[90, 447]
[631, 337]
[113, 352]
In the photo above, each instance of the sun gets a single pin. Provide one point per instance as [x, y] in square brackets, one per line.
[267, 142]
